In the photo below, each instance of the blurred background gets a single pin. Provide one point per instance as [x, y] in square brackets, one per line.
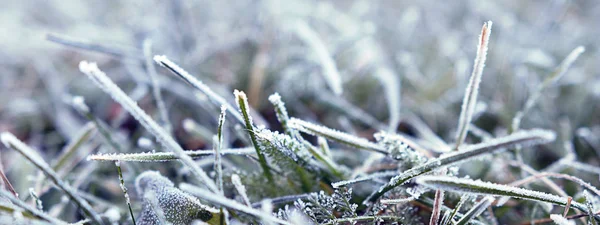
[402, 65]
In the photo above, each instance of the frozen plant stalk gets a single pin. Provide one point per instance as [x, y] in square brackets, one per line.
[472, 91]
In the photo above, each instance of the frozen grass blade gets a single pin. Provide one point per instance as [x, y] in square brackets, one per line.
[241, 189]
[392, 87]
[242, 102]
[590, 207]
[156, 91]
[456, 209]
[559, 72]
[29, 209]
[124, 189]
[70, 149]
[463, 185]
[218, 148]
[328, 67]
[282, 115]
[470, 100]
[100, 78]
[476, 210]
[364, 178]
[216, 99]
[437, 206]
[10, 141]
[228, 203]
[340, 137]
[7, 182]
[166, 156]
[530, 137]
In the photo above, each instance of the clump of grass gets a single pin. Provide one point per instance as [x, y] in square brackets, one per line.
[336, 152]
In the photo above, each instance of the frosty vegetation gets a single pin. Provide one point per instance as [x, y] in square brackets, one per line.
[295, 112]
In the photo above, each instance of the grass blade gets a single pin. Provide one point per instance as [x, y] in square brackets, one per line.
[476, 210]
[242, 102]
[165, 156]
[530, 137]
[340, 137]
[464, 185]
[470, 100]
[328, 67]
[559, 72]
[124, 189]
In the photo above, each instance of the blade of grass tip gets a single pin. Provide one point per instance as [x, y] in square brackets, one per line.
[282, 115]
[559, 72]
[156, 90]
[242, 102]
[100, 79]
[241, 189]
[340, 137]
[124, 189]
[228, 203]
[470, 99]
[78, 103]
[166, 156]
[463, 185]
[218, 144]
[10, 141]
[216, 99]
[218, 147]
[328, 67]
[29, 209]
[530, 137]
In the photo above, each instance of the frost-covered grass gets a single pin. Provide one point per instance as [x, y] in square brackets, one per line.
[299, 112]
